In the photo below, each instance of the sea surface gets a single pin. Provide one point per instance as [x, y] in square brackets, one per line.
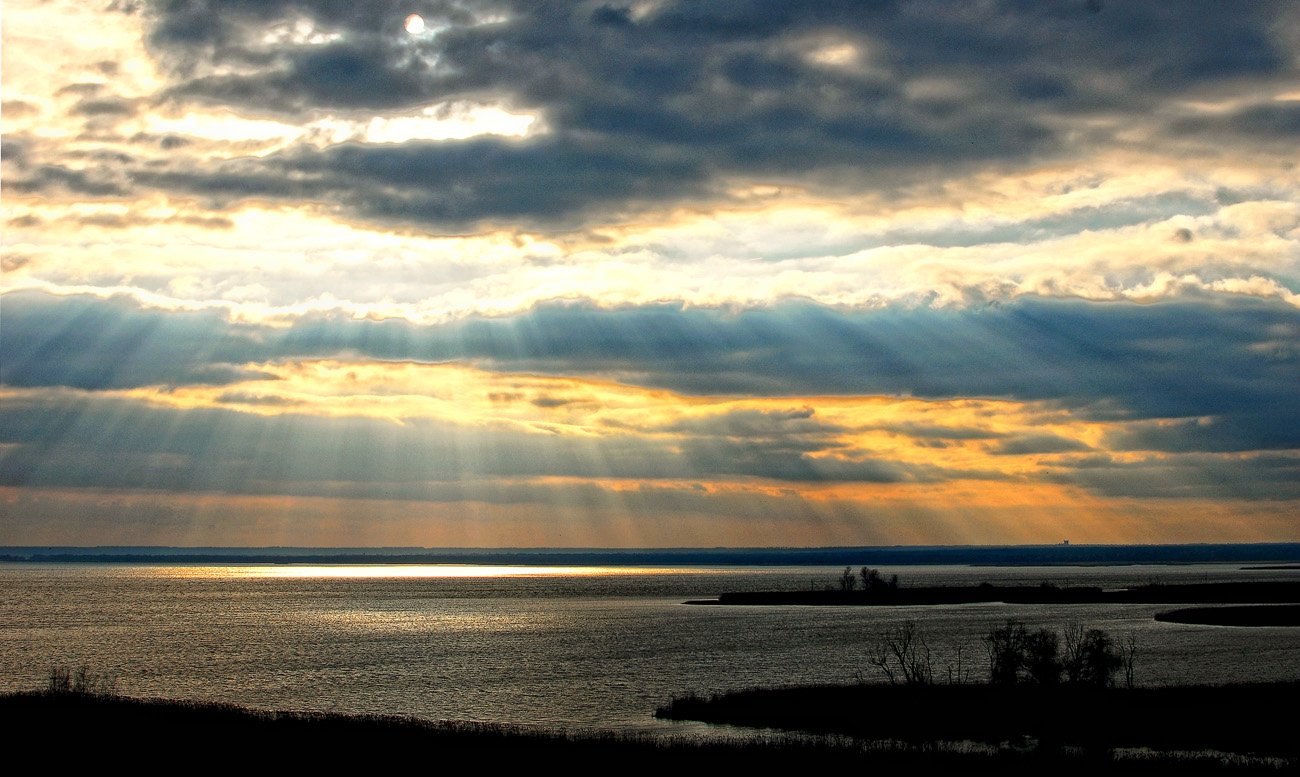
[578, 648]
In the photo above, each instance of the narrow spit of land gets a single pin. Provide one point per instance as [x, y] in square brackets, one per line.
[1189, 593]
[89, 731]
[1256, 719]
[1259, 615]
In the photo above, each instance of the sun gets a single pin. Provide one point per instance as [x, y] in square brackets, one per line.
[414, 24]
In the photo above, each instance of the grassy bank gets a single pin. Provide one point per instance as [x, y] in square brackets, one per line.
[1245, 719]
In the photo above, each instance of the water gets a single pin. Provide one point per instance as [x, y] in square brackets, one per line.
[574, 648]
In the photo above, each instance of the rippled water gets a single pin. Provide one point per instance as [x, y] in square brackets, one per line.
[560, 647]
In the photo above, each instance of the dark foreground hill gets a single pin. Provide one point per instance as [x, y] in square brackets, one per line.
[84, 731]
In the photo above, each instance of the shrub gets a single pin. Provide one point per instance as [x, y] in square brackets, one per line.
[81, 680]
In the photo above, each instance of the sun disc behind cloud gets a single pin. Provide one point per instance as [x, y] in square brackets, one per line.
[414, 24]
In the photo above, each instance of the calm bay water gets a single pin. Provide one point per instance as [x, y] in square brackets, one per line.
[579, 648]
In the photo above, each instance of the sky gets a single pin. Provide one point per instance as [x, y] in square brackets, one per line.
[648, 273]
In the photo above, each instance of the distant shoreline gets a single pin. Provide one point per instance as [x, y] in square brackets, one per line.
[1283, 555]
[1180, 593]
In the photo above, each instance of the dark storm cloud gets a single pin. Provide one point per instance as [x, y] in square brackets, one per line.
[671, 104]
[469, 180]
[566, 55]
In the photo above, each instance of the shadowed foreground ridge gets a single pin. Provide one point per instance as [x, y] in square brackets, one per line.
[85, 729]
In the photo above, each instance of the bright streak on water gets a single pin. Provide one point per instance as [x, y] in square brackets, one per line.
[401, 571]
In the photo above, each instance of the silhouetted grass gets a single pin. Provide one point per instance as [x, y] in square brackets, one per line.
[82, 680]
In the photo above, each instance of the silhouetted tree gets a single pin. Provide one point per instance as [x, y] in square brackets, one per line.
[847, 581]
[960, 674]
[1040, 658]
[903, 653]
[1128, 648]
[1074, 645]
[1096, 659]
[1005, 646]
[872, 580]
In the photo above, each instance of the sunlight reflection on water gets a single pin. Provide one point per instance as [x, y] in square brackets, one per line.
[594, 647]
[398, 571]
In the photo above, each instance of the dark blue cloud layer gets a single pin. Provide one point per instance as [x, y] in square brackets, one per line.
[1226, 357]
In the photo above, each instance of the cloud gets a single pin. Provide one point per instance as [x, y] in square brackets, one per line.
[85, 441]
[54, 341]
[1273, 120]
[19, 109]
[1195, 476]
[1185, 359]
[1038, 443]
[672, 105]
[924, 431]
[1253, 428]
[109, 105]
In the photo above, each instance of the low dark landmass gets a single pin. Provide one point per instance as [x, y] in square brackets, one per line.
[1259, 615]
[1014, 555]
[1190, 593]
[1254, 719]
[81, 730]
[1273, 568]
